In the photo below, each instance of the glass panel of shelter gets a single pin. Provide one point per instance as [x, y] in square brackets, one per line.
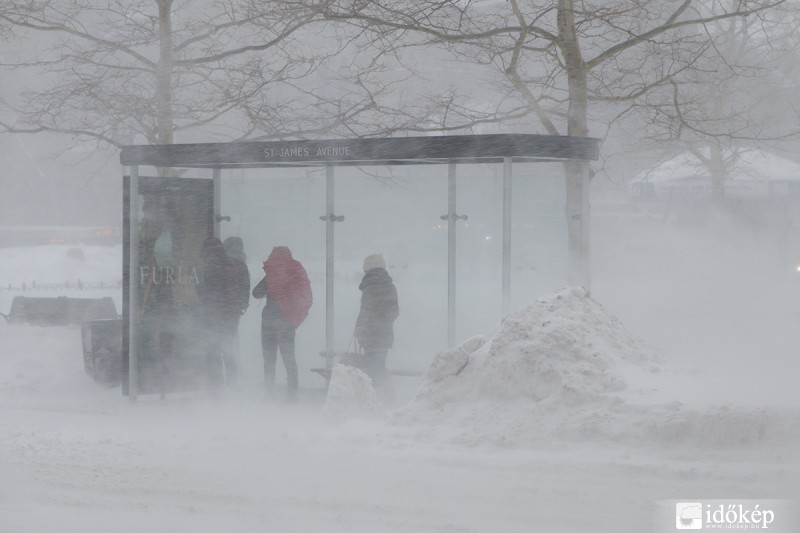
[278, 207]
[396, 211]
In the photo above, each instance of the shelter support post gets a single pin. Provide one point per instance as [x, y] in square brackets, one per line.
[579, 223]
[133, 283]
[451, 255]
[329, 219]
[506, 235]
[451, 217]
[329, 259]
[217, 201]
[586, 226]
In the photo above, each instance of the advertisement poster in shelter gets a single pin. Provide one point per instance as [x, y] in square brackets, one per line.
[173, 217]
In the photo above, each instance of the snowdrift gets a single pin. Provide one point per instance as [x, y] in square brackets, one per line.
[564, 368]
[351, 395]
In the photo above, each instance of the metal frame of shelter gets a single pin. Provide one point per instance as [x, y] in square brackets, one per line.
[451, 150]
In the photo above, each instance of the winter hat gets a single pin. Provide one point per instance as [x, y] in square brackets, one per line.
[374, 261]
[235, 248]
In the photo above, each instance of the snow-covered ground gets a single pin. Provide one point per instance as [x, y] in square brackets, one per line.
[562, 420]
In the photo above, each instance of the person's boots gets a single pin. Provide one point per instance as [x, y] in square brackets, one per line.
[291, 380]
[291, 394]
[231, 374]
[269, 383]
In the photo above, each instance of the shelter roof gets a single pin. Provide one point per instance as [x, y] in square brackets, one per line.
[491, 148]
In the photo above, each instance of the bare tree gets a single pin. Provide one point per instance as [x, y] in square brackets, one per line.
[567, 62]
[252, 68]
[157, 69]
[738, 96]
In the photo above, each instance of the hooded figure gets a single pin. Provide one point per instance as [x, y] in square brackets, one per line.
[220, 312]
[234, 246]
[288, 293]
[379, 308]
[216, 287]
[374, 329]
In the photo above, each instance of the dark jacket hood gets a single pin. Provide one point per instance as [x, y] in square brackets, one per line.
[235, 248]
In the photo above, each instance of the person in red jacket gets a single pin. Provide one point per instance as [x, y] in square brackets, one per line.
[288, 293]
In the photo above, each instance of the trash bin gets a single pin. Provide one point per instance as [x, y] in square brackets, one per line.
[102, 350]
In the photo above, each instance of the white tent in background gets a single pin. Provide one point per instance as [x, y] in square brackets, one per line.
[756, 173]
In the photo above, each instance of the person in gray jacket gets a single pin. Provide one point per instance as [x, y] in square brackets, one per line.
[234, 247]
[374, 329]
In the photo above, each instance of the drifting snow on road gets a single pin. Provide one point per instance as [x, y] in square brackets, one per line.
[561, 421]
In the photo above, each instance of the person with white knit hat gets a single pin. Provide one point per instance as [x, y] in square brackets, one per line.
[374, 329]
[374, 261]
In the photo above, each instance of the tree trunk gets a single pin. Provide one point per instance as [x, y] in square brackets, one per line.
[716, 165]
[164, 74]
[576, 172]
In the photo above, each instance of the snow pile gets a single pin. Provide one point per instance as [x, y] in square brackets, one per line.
[564, 368]
[351, 395]
[564, 349]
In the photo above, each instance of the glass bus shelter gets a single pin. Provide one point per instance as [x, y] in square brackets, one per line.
[166, 220]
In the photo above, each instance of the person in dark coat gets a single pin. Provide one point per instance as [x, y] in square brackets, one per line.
[374, 329]
[234, 246]
[288, 292]
[220, 312]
